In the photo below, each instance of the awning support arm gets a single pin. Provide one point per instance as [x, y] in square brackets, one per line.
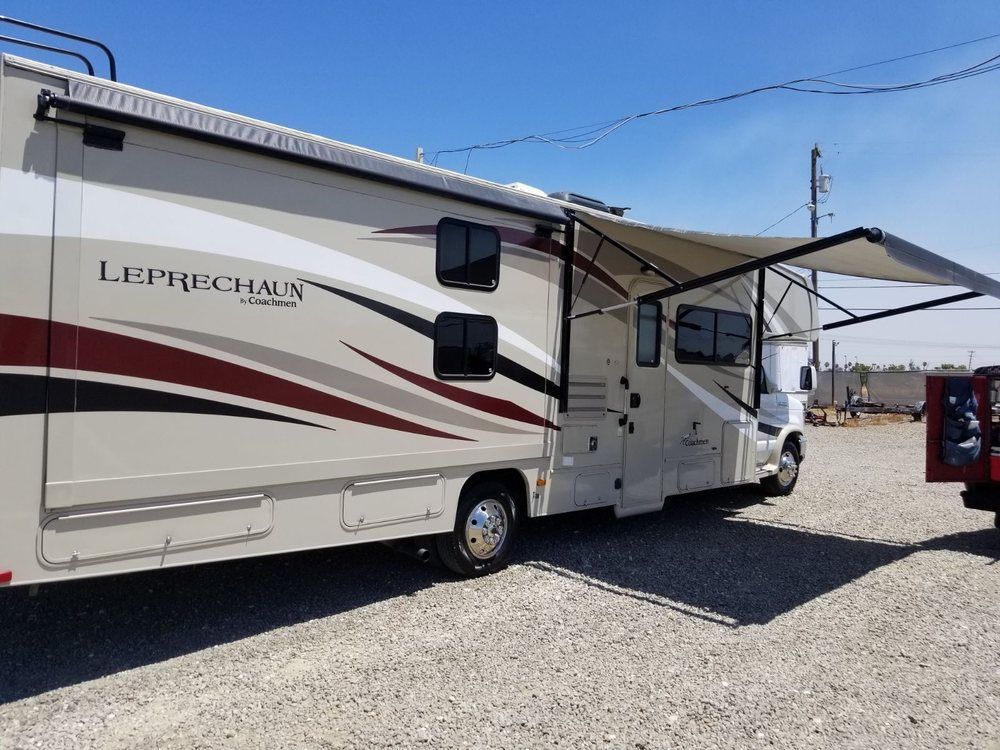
[586, 274]
[633, 255]
[872, 235]
[814, 292]
[566, 327]
[758, 339]
[787, 334]
[900, 310]
[755, 264]
[777, 307]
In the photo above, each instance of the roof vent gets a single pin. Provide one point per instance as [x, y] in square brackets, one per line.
[525, 188]
[583, 200]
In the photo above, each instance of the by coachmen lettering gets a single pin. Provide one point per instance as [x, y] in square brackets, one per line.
[690, 441]
[272, 293]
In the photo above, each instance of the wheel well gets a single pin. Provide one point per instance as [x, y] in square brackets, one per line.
[512, 479]
[796, 437]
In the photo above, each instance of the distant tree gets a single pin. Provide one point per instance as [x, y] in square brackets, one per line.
[949, 366]
[861, 367]
[912, 366]
[924, 365]
[826, 365]
[896, 368]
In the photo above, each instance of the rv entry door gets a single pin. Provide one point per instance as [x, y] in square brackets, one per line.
[644, 403]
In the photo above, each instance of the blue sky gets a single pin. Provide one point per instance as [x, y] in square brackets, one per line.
[391, 76]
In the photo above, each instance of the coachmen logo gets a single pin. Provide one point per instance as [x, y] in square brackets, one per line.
[692, 439]
[265, 292]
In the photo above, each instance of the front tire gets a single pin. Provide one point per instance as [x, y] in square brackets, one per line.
[485, 527]
[784, 481]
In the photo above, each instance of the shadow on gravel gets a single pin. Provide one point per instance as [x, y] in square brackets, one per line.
[85, 629]
[701, 558]
[697, 557]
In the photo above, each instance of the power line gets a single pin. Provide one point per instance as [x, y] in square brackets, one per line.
[911, 343]
[786, 216]
[915, 54]
[580, 138]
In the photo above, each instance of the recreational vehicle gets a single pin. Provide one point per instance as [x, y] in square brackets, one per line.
[223, 338]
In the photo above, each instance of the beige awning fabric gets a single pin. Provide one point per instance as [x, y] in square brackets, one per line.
[687, 255]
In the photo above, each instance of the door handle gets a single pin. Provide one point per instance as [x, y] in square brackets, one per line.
[634, 399]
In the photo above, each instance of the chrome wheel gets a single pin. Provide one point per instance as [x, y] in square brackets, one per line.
[788, 468]
[486, 529]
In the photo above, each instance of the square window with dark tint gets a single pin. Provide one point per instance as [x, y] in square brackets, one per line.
[484, 257]
[449, 346]
[451, 242]
[465, 346]
[732, 339]
[648, 329]
[468, 255]
[480, 347]
[695, 335]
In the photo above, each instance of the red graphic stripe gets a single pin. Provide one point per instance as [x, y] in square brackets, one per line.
[534, 242]
[89, 349]
[489, 404]
[24, 342]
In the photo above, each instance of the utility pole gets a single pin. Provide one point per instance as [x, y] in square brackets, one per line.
[971, 352]
[420, 154]
[814, 230]
[833, 376]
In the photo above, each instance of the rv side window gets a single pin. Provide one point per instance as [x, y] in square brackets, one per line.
[706, 336]
[468, 255]
[732, 338]
[648, 329]
[465, 346]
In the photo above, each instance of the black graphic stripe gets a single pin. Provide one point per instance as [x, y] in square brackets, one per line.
[769, 429]
[411, 321]
[526, 377]
[29, 394]
[505, 366]
[739, 402]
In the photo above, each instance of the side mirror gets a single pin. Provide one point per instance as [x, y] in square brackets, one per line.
[807, 378]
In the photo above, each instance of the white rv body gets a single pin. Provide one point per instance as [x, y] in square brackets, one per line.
[208, 352]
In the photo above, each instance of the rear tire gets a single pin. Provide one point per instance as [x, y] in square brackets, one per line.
[782, 483]
[485, 529]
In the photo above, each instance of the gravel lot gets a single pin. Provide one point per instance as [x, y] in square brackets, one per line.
[863, 611]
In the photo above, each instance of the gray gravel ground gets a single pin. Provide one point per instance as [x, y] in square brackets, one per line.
[863, 611]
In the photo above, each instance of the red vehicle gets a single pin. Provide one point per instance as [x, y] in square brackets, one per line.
[963, 435]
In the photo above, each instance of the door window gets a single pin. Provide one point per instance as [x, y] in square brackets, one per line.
[648, 333]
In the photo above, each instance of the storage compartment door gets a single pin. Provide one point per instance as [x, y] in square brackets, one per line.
[739, 451]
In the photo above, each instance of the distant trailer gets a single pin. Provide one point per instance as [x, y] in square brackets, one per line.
[856, 406]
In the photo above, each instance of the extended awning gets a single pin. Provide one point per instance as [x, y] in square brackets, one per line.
[880, 255]
[691, 260]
